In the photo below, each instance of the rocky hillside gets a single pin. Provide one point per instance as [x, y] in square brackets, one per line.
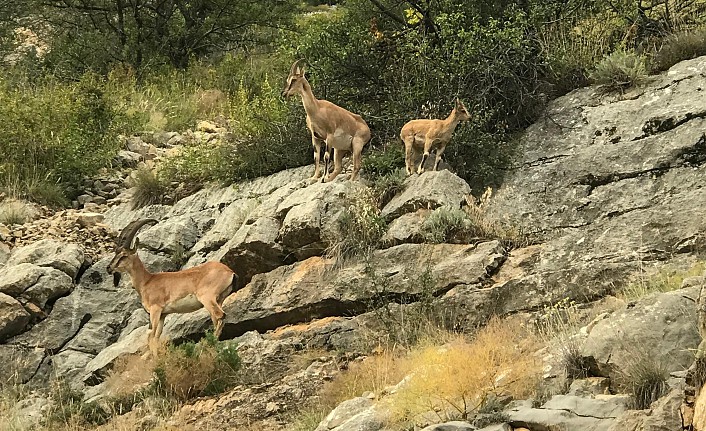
[609, 186]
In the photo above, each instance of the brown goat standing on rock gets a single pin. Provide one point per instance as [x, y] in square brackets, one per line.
[330, 124]
[206, 285]
[425, 134]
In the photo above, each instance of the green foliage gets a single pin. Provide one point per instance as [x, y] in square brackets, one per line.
[97, 34]
[383, 162]
[620, 70]
[63, 131]
[68, 407]
[192, 369]
[447, 224]
[385, 187]
[266, 136]
[679, 47]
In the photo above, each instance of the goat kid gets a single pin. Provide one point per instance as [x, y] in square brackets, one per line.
[330, 124]
[427, 134]
[206, 285]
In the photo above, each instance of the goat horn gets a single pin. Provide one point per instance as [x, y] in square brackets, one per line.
[294, 66]
[128, 234]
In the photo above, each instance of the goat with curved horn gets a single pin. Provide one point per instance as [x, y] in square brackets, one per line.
[206, 285]
[329, 124]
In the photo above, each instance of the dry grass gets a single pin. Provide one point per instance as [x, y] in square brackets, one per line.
[129, 374]
[13, 212]
[456, 379]
[665, 279]
[195, 369]
[488, 227]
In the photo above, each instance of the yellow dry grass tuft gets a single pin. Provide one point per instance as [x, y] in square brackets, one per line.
[456, 379]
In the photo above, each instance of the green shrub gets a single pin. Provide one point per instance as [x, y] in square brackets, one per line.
[55, 134]
[197, 369]
[447, 224]
[679, 47]
[620, 70]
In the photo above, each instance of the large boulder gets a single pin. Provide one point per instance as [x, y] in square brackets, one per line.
[610, 183]
[33, 283]
[13, 317]
[177, 234]
[662, 326]
[254, 249]
[429, 190]
[357, 414]
[569, 412]
[315, 288]
[65, 257]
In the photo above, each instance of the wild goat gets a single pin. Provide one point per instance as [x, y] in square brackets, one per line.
[330, 124]
[162, 293]
[425, 134]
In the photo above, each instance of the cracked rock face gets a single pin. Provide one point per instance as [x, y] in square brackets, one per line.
[612, 182]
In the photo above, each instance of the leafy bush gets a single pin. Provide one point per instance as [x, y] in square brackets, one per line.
[620, 70]
[63, 131]
[266, 137]
[679, 47]
[196, 369]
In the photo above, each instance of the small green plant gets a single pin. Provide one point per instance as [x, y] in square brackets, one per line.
[645, 377]
[383, 162]
[68, 408]
[679, 47]
[385, 187]
[447, 224]
[149, 189]
[620, 70]
[491, 412]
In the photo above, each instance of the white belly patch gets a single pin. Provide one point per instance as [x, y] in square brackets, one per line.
[339, 140]
[186, 304]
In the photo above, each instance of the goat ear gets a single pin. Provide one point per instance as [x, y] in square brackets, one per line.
[133, 250]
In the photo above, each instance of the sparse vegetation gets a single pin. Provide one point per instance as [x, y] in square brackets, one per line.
[620, 70]
[149, 189]
[359, 228]
[558, 326]
[644, 377]
[678, 47]
[13, 212]
[665, 279]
